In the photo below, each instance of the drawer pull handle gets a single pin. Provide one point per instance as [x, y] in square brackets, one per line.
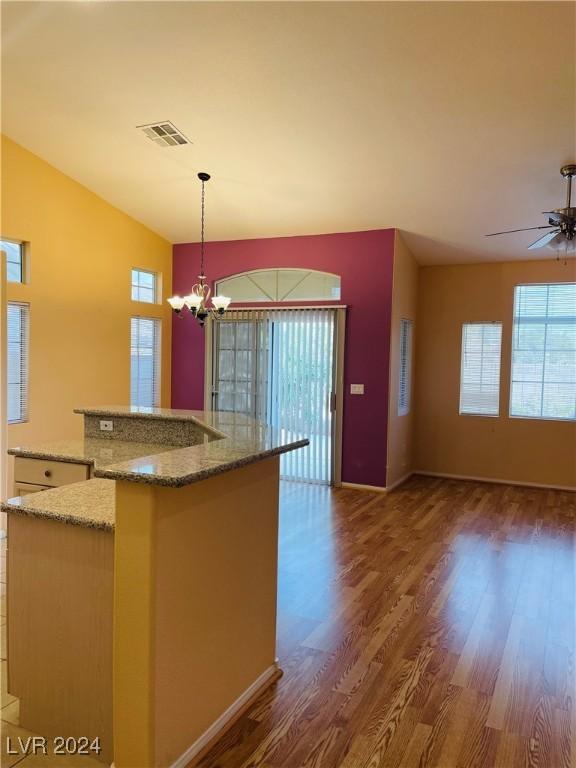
[48, 473]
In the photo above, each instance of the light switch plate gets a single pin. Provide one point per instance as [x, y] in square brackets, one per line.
[106, 426]
[356, 389]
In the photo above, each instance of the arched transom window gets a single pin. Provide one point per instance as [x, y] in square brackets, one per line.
[280, 285]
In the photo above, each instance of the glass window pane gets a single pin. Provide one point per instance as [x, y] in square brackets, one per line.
[14, 260]
[281, 285]
[543, 381]
[143, 286]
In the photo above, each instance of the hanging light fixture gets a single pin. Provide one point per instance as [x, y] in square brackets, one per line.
[197, 299]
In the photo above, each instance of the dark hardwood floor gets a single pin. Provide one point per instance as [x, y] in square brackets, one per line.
[433, 626]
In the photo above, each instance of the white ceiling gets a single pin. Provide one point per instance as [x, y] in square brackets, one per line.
[446, 120]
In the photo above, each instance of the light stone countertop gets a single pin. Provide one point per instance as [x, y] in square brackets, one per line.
[89, 450]
[90, 503]
[236, 440]
[207, 420]
[241, 441]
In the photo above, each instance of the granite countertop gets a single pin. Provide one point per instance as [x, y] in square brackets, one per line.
[202, 418]
[242, 440]
[90, 503]
[89, 450]
[237, 440]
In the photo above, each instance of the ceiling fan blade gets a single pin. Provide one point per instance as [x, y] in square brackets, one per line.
[525, 229]
[544, 240]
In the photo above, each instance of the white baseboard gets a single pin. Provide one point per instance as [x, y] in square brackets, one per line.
[361, 487]
[400, 481]
[220, 725]
[377, 488]
[498, 480]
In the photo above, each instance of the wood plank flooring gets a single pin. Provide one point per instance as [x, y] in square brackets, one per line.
[433, 626]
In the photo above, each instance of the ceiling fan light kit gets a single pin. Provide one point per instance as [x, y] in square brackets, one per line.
[561, 223]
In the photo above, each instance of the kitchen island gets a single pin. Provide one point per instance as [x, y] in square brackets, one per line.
[153, 585]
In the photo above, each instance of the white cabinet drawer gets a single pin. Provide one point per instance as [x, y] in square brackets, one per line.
[46, 472]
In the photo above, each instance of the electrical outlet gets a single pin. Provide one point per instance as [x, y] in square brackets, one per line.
[356, 389]
[106, 426]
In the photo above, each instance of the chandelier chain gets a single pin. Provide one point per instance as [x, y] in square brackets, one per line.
[202, 233]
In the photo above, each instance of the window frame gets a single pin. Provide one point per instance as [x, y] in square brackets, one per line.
[403, 408]
[545, 321]
[462, 332]
[24, 372]
[157, 370]
[280, 297]
[156, 285]
[23, 246]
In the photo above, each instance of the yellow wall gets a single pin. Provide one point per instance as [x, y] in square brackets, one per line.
[404, 304]
[80, 255]
[521, 450]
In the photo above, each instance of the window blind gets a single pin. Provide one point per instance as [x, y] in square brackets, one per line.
[405, 367]
[17, 364]
[480, 369]
[301, 393]
[543, 381]
[277, 366]
[145, 362]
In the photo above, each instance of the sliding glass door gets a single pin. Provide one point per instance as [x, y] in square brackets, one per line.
[240, 364]
[279, 366]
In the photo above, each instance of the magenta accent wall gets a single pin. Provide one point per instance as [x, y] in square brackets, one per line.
[365, 262]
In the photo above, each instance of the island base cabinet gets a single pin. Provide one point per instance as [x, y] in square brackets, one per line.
[60, 606]
[195, 611]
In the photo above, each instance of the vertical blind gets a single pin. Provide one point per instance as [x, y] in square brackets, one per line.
[145, 362]
[302, 352]
[404, 384]
[277, 365]
[480, 369]
[17, 364]
[543, 377]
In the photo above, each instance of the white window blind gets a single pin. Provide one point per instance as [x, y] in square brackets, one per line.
[405, 367]
[144, 286]
[17, 373]
[480, 369]
[543, 381]
[145, 362]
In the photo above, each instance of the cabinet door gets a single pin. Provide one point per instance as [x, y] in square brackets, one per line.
[23, 489]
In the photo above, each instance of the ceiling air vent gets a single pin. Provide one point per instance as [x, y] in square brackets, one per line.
[165, 134]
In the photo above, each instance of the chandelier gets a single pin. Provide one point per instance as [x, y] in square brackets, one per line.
[197, 300]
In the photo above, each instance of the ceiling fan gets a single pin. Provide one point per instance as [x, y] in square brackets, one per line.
[561, 222]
